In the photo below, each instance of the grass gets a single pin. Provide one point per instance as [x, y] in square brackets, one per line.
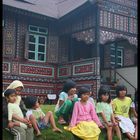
[50, 135]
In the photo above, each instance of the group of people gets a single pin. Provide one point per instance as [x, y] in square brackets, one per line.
[24, 119]
[83, 117]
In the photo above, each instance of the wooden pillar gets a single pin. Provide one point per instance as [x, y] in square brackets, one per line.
[97, 46]
[97, 31]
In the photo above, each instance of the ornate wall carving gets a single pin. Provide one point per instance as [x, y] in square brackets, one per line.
[33, 70]
[52, 49]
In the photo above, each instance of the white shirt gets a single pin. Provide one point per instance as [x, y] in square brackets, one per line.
[15, 109]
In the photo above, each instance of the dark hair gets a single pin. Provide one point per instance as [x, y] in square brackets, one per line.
[9, 92]
[68, 85]
[82, 90]
[30, 101]
[120, 88]
[103, 91]
[87, 86]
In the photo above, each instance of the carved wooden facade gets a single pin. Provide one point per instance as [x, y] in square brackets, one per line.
[116, 23]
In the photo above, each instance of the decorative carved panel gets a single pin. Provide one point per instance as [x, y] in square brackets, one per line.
[64, 71]
[88, 36]
[15, 68]
[6, 67]
[87, 68]
[52, 49]
[111, 36]
[36, 70]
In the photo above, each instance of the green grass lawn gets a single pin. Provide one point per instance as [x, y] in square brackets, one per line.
[48, 134]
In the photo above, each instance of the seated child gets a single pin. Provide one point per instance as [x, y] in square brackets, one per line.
[133, 113]
[90, 99]
[38, 119]
[121, 107]
[105, 112]
[85, 122]
[14, 112]
[67, 98]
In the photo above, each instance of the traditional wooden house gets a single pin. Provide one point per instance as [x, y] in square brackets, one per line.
[46, 42]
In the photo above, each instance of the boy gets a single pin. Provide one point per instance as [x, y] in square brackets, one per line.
[38, 119]
[14, 109]
[16, 120]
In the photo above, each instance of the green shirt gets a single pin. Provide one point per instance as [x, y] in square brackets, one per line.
[106, 108]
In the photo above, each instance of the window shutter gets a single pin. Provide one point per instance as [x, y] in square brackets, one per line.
[26, 45]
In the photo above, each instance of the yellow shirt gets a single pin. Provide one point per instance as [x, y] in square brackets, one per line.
[121, 107]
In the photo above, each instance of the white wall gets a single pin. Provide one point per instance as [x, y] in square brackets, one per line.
[129, 73]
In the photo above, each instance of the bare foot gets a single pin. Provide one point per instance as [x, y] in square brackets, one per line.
[131, 137]
[57, 130]
[38, 133]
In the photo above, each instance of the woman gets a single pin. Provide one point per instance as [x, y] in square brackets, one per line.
[19, 133]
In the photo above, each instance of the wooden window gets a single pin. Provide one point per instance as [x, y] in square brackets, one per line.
[37, 29]
[116, 56]
[36, 43]
[112, 55]
[119, 57]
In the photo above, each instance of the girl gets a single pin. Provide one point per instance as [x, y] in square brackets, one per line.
[104, 109]
[85, 122]
[121, 106]
[38, 119]
[67, 98]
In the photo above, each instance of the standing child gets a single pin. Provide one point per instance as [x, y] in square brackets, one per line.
[85, 122]
[38, 119]
[121, 106]
[104, 109]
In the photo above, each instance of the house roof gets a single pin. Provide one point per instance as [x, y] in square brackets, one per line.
[51, 8]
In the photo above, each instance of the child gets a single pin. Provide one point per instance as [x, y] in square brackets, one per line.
[14, 112]
[133, 110]
[38, 119]
[18, 86]
[121, 106]
[134, 116]
[65, 103]
[104, 109]
[85, 122]
[90, 99]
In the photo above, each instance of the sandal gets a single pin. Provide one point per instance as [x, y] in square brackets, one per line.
[62, 122]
